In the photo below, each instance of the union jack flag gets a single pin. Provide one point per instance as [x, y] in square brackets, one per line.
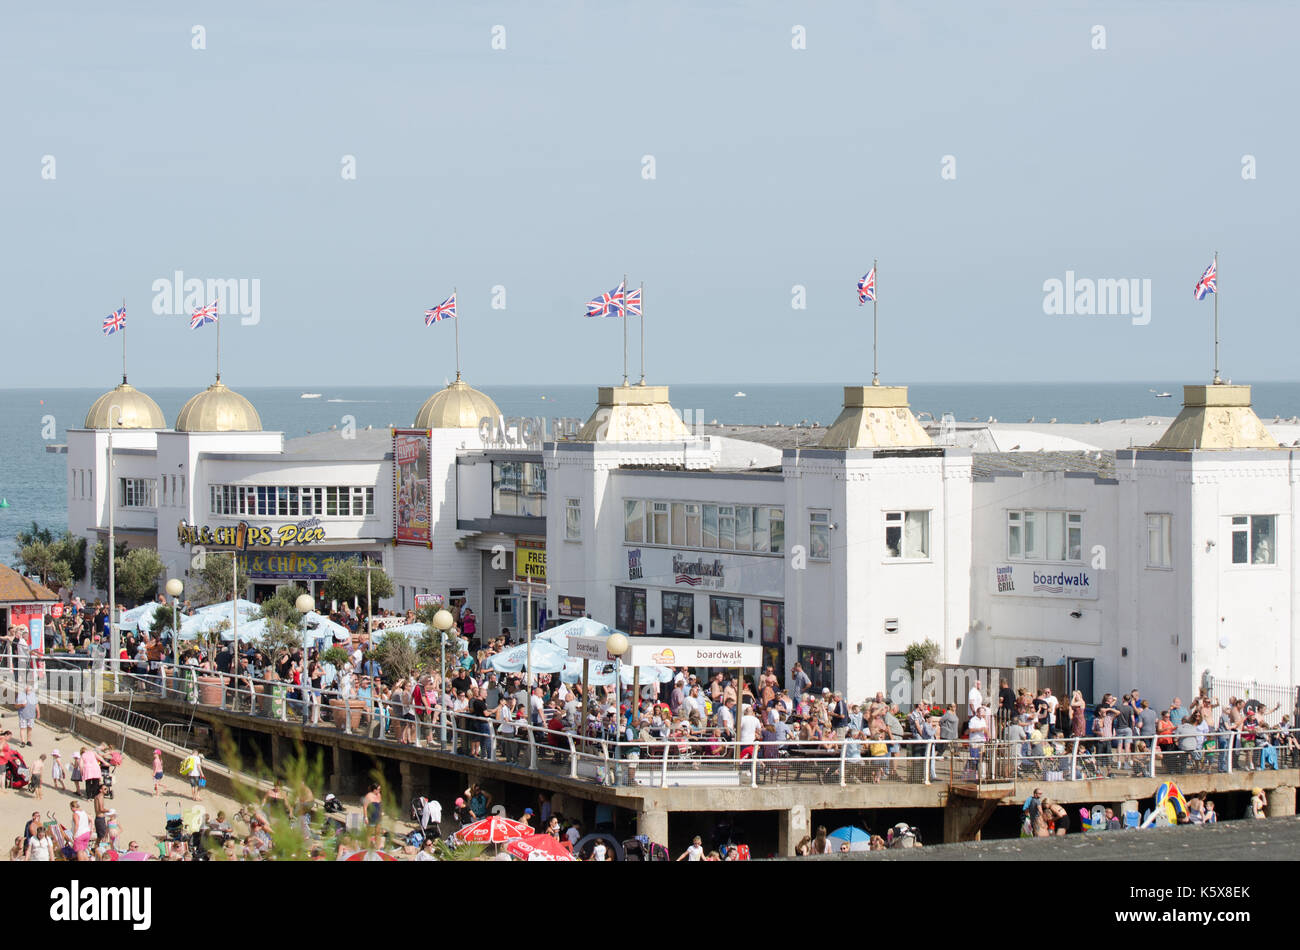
[607, 305]
[634, 303]
[204, 315]
[1209, 282]
[867, 287]
[115, 321]
[444, 311]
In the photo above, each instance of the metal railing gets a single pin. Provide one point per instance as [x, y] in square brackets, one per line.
[674, 759]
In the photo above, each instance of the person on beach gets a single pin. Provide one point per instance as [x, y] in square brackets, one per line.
[38, 767]
[56, 771]
[80, 831]
[157, 772]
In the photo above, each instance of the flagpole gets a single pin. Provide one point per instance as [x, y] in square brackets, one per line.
[641, 297]
[457, 319]
[875, 327]
[218, 319]
[623, 313]
[1217, 380]
[124, 340]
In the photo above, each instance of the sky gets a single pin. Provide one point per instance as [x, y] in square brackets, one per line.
[745, 160]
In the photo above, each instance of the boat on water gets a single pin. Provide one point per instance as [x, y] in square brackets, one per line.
[739, 396]
[1161, 395]
[310, 396]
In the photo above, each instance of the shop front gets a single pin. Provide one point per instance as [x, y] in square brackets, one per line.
[307, 568]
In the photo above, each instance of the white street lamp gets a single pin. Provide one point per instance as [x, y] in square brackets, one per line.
[442, 622]
[305, 604]
[174, 590]
[616, 645]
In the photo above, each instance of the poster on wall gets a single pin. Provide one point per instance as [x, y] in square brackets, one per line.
[412, 519]
[629, 610]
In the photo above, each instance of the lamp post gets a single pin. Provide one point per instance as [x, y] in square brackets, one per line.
[616, 645]
[113, 634]
[305, 604]
[442, 622]
[174, 590]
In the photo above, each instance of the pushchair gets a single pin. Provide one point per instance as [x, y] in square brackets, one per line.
[17, 774]
[106, 773]
[641, 848]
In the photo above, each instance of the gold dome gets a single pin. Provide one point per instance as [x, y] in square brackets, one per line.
[459, 406]
[218, 409]
[138, 411]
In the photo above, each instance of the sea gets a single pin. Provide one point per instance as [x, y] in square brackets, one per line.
[33, 481]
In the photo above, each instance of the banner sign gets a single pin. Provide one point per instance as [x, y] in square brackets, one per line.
[243, 535]
[695, 653]
[588, 648]
[297, 564]
[412, 488]
[1044, 580]
[530, 560]
[427, 600]
[753, 575]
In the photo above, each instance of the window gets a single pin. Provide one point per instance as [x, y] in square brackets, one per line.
[692, 539]
[907, 534]
[710, 526]
[819, 664]
[1159, 547]
[726, 527]
[819, 535]
[744, 528]
[1045, 535]
[138, 492]
[656, 528]
[629, 609]
[678, 616]
[518, 488]
[679, 523]
[573, 519]
[776, 519]
[1254, 539]
[633, 521]
[727, 618]
[762, 529]
[503, 605]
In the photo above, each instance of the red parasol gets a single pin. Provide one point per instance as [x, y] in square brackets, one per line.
[539, 848]
[369, 856]
[493, 830]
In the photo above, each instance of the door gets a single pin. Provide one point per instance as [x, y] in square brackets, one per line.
[1080, 677]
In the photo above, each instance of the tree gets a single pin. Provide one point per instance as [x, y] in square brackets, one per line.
[283, 622]
[137, 574]
[99, 564]
[926, 653]
[54, 561]
[396, 655]
[429, 649]
[210, 580]
[348, 580]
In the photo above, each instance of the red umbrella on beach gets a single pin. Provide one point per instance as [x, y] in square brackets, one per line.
[539, 848]
[493, 830]
[369, 855]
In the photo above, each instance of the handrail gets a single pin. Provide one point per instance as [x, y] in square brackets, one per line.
[615, 759]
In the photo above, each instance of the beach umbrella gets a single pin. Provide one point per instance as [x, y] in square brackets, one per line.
[855, 838]
[582, 627]
[369, 856]
[320, 627]
[209, 618]
[539, 848]
[547, 658]
[141, 618]
[493, 829]
[602, 674]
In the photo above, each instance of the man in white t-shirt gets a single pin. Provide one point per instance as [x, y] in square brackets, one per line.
[573, 835]
[974, 699]
[727, 716]
[598, 851]
[749, 726]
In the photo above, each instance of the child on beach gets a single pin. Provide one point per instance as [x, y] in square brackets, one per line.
[76, 773]
[56, 771]
[157, 771]
[37, 768]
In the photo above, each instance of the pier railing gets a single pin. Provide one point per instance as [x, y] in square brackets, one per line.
[670, 756]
